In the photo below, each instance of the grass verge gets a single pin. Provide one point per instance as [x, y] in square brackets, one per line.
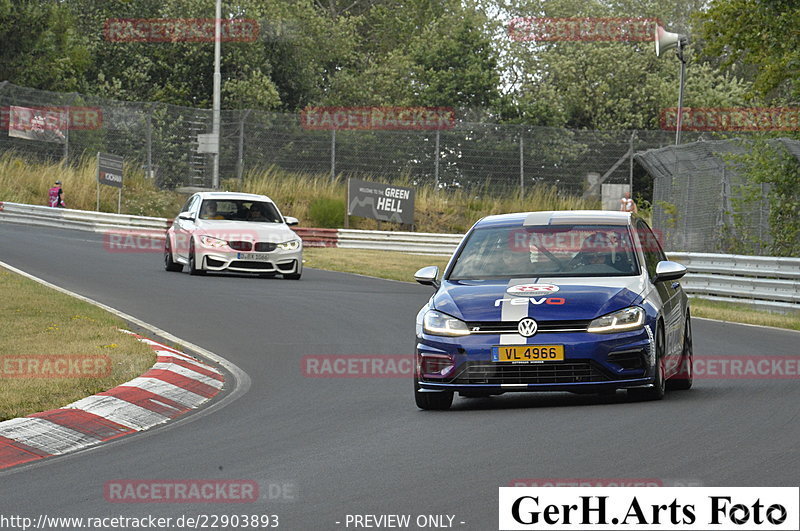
[742, 313]
[381, 264]
[401, 266]
[43, 329]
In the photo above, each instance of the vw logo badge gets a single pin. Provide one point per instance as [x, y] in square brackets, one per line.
[527, 327]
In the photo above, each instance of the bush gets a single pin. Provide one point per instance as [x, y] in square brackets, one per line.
[325, 212]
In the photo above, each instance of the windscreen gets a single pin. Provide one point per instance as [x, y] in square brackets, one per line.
[240, 210]
[546, 251]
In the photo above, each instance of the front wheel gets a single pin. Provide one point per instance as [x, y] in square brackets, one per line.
[432, 401]
[656, 392]
[297, 275]
[683, 380]
[193, 270]
[169, 264]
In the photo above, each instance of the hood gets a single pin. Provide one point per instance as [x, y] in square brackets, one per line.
[253, 231]
[574, 299]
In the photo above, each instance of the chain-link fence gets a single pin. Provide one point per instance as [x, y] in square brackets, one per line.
[702, 201]
[163, 140]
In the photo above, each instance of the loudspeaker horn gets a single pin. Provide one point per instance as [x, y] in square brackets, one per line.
[666, 40]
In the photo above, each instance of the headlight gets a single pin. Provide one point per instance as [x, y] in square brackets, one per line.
[291, 245]
[208, 241]
[441, 324]
[619, 321]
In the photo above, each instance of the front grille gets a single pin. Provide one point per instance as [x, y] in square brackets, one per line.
[240, 246]
[510, 327]
[249, 264]
[569, 372]
[266, 247]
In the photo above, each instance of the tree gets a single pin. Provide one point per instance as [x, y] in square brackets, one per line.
[759, 39]
[606, 85]
[41, 48]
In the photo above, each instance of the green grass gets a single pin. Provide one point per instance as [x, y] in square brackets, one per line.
[743, 313]
[38, 322]
[401, 266]
[381, 264]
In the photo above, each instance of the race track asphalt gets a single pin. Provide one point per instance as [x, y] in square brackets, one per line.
[360, 446]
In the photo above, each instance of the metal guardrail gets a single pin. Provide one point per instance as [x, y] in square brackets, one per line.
[77, 219]
[765, 282]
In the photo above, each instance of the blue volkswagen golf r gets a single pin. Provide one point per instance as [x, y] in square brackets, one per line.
[580, 301]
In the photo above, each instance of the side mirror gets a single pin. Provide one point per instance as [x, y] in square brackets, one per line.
[667, 270]
[186, 215]
[290, 220]
[427, 276]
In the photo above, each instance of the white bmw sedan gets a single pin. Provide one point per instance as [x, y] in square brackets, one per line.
[227, 231]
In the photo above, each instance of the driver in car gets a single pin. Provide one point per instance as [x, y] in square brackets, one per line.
[209, 211]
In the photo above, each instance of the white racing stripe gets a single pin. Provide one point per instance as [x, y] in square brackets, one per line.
[514, 312]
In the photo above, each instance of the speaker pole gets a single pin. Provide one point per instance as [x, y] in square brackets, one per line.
[679, 53]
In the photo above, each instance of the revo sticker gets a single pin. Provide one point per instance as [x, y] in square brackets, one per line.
[557, 301]
[531, 290]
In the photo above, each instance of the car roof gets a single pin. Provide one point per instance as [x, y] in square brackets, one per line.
[233, 195]
[557, 217]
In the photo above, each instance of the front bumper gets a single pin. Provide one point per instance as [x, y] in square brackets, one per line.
[592, 363]
[277, 261]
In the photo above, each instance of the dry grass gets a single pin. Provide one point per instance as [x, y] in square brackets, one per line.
[38, 321]
[449, 211]
[28, 182]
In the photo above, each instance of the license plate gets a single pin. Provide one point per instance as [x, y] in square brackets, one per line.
[252, 256]
[528, 353]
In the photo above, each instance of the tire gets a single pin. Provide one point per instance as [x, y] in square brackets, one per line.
[169, 265]
[193, 270]
[685, 377]
[432, 401]
[659, 384]
[294, 276]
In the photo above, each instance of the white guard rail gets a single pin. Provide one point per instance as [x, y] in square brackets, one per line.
[765, 282]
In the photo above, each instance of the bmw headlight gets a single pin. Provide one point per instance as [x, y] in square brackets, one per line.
[441, 324]
[209, 241]
[630, 318]
[291, 245]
